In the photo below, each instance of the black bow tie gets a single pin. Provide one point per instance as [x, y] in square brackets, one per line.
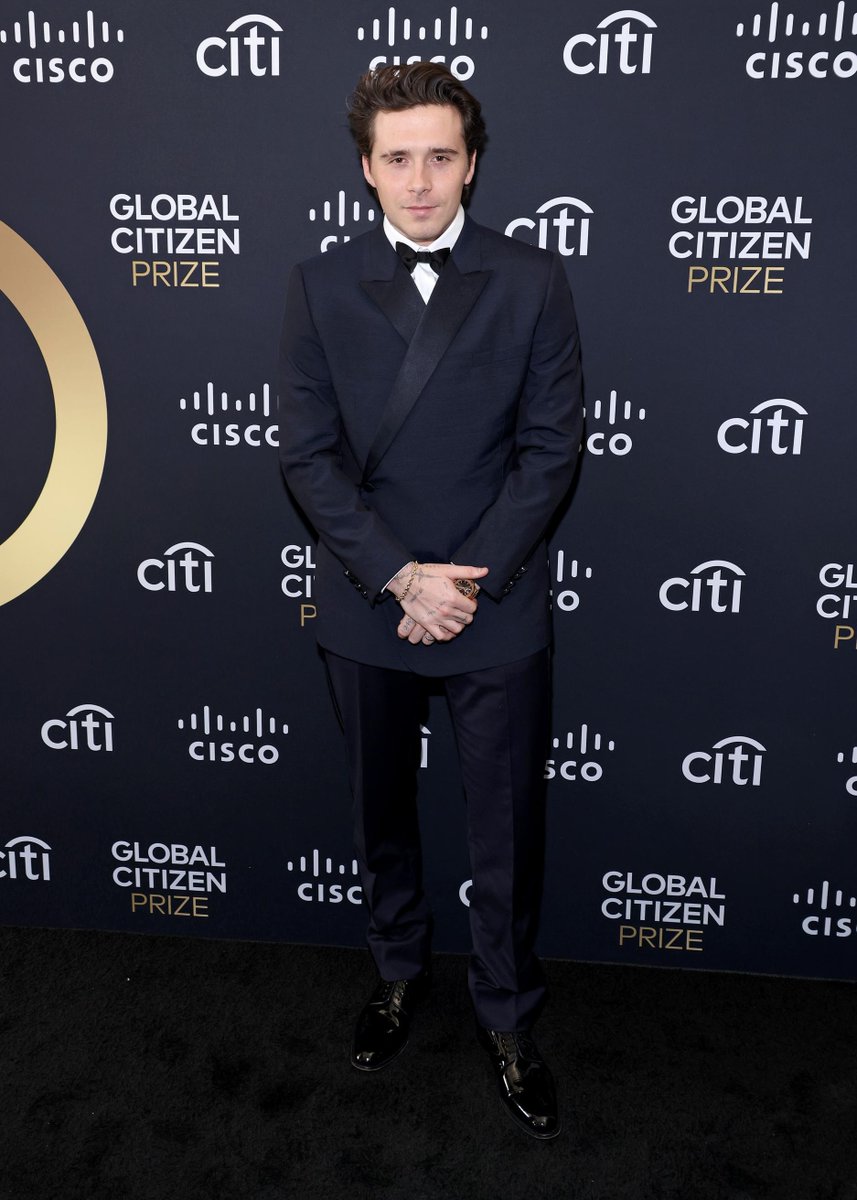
[434, 258]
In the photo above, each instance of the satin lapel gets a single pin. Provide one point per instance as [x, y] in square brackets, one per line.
[451, 301]
[398, 299]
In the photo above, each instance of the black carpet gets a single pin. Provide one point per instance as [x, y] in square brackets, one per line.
[143, 1068]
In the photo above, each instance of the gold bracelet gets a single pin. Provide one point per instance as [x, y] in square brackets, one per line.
[415, 567]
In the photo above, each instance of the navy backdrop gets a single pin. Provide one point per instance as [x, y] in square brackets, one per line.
[170, 761]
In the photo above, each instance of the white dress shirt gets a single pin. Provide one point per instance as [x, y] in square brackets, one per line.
[423, 276]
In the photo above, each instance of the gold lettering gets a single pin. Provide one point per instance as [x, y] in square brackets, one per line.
[185, 272]
[774, 275]
[720, 276]
[752, 272]
[308, 613]
[843, 633]
[696, 275]
[654, 937]
[170, 905]
[726, 280]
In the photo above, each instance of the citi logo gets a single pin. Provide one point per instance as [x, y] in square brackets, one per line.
[176, 571]
[568, 599]
[26, 857]
[392, 29]
[713, 586]
[735, 760]
[216, 738]
[251, 424]
[86, 727]
[340, 212]
[629, 47]
[826, 923]
[319, 888]
[69, 56]
[562, 224]
[775, 425]
[583, 766]
[252, 45]
[850, 784]
[619, 443]
[843, 601]
[791, 64]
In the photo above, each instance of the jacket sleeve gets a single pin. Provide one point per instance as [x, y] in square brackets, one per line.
[311, 454]
[547, 442]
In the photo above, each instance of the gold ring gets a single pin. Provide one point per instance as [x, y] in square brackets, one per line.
[468, 587]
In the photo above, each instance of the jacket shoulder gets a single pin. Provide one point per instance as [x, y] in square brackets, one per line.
[501, 247]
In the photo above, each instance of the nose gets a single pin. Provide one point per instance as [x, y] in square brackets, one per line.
[420, 181]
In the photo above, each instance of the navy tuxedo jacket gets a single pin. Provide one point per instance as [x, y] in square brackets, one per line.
[445, 432]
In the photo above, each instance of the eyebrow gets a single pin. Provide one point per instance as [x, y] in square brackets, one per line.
[450, 150]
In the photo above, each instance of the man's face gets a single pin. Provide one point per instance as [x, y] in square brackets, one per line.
[419, 167]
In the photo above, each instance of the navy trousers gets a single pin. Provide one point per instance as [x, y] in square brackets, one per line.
[501, 719]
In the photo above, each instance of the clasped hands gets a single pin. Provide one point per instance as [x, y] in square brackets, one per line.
[434, 608]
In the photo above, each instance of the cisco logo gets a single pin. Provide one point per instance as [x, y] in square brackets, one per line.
[618, 442]
[319, 888]
[215, 738]
[819, 63]
[341, 213]
[568, 598]
[826, 922]
[250, 424]
[850, 784]
[587, 747]
[449, 30]
[71, 56]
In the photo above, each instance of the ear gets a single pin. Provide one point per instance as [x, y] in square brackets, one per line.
[471, 170]
[367, 173]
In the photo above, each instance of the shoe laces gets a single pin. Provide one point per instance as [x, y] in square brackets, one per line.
[517, 1045]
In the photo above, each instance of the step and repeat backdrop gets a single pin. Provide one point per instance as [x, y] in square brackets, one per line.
[169, 757]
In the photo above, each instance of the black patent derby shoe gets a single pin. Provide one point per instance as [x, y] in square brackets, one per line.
[385, 1022]
[526, 1084]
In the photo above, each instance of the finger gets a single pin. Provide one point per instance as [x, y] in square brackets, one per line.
[456, 571]
[428, 640]
[405, 626]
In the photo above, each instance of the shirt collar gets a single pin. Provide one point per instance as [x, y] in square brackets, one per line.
[446, 240]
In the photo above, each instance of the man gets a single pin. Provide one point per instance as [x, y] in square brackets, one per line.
[430, 422]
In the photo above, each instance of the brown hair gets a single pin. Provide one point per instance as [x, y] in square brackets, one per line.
[394, 88]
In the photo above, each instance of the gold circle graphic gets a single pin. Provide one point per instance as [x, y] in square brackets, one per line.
[74, 475]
